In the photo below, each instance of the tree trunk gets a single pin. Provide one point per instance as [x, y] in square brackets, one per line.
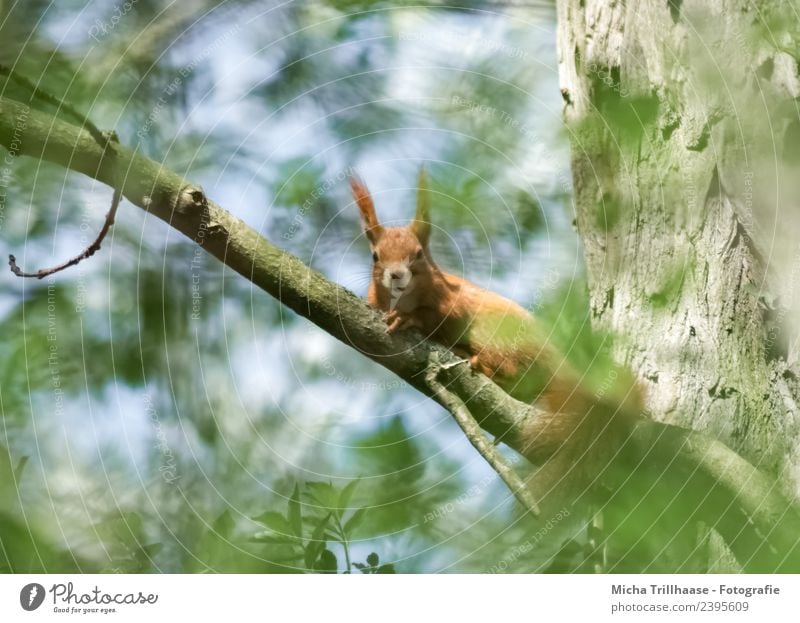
[665, 173]
[683, 123]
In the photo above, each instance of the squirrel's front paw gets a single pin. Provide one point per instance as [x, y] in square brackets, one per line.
[397, 322]
[392, 320]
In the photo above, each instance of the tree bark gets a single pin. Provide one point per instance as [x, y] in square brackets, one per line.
[681, 115]
[761, 526]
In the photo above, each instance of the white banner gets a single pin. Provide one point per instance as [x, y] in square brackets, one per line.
[387, 598]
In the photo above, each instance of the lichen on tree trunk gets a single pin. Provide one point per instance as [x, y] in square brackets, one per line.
[673, 109]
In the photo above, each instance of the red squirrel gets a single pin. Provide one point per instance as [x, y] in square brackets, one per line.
[498, 337]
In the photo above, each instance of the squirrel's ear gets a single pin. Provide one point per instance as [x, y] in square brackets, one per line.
[372, 228]
[421, 227]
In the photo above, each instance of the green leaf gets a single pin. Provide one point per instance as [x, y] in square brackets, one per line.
[296, 513]
[223, 525]
[327, 562]
[215, 548]
[320, 529]
[352, 524]
[324, 494]
[275, 521]
[152, 549]
[373, 559]
[346, 494]
[316, 543]
[273, 537]
[120, 527]
[386, 569]
[20, 466]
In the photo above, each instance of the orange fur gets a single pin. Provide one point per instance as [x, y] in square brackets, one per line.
[500, 338]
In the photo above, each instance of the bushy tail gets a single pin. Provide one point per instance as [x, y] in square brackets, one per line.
[580, 436]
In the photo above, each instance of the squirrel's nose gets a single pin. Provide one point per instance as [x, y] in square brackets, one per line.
[396, 274]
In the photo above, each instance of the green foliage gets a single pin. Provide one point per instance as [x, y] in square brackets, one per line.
[169, 428]
[25, 545]
[125, 542]
[564, 323]
[373, 565]
[328, 518]
[405, 487]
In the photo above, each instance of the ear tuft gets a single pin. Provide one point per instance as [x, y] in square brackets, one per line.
[421, 226]
[372, 228]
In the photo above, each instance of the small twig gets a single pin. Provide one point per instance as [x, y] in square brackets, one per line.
[105, 140]
[87, 252]
[477, 438]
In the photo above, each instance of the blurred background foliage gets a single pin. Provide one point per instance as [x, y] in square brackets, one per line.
[158, 413]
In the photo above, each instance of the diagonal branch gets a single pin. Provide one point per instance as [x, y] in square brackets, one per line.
[460, 412]
[761, 526]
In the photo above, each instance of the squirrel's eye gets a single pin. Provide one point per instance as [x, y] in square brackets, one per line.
[418, 255]
[374, 257]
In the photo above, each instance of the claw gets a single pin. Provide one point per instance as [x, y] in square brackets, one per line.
[395, 326]
[393, 321]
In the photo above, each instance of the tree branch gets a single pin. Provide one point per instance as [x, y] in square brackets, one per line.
[760, 526]
[477, 438]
